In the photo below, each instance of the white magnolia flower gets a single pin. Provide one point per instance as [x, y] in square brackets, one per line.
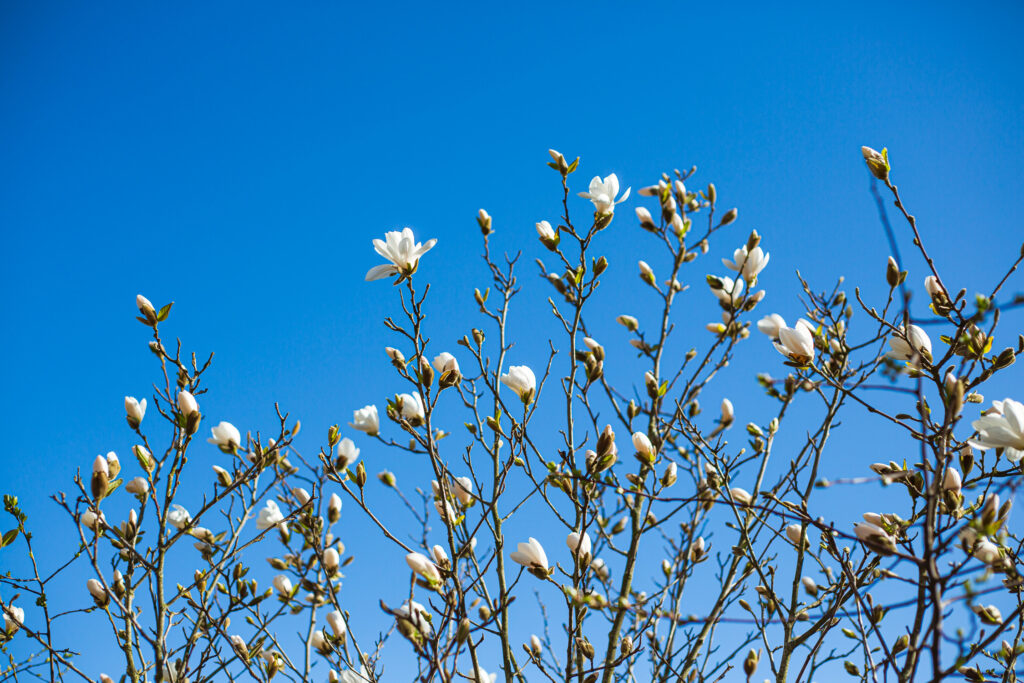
[145, 307]
[319, 643]
[646, 272]
[747, 263]
[629, 322]
[535, 646]
[521, 380]
[135, 410]
[91, 520]
[331, 559]
[911, 341]
[187, 403]
[794, 532]
[545, 231]
[365, 420]
[989, 614]
[986, 551]
[796, 343]
[225, 436]
[350, 676]
[14, 617]
[174, 674]
[337, 623]
[334, 508]
[463, 489]
[301, 495]
[412, 406]
[730, 292]
[602, 193]
[96, 589]
[283, 585]
[875, 537]
[579, 547]
[643, 444]
[644, 216]
[600, 568]
[531, 555]
[439, 555]
[402, 251]
[347, 453]
[951, 481]
[421, 565]
[270, 516]
[481, 676]
[1001, 427]
[445, 362]
[417, 615]
[728, 415]
[771, 324]
[138, 486]
[178, 517]
[741, 496]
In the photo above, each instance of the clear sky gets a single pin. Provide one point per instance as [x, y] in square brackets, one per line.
[237, 158]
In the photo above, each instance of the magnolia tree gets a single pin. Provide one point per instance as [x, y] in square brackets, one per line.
[693, 549]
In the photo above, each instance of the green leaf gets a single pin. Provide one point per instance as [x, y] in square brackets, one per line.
[164, 312]
[8, 538]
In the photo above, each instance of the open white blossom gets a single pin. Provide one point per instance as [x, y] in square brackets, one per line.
[796, 343]
[602, 193]
[412, 406]
[531, 555]
[178, 517]
[226, 437]
[911, 341]
[771, 324]
[1002, 426]
[366, 420]
[747, 263]
[521, 380]
[730, 292]
[402, 251]
[270, 516]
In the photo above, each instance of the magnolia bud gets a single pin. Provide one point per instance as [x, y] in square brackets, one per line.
[146, 309]
[878, 163]
[483, 219]
[99, 594]
[334, 508]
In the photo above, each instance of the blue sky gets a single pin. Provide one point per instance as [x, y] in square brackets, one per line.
[238, 158]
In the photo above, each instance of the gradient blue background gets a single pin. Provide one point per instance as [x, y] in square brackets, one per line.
[238, 158]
